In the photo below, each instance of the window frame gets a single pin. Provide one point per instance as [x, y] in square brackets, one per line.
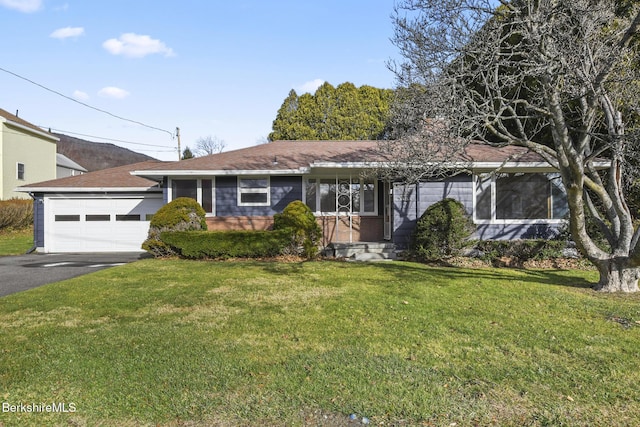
[266, 190]
[199, 198]
[361, 183]
[489, 178]
[20, 171]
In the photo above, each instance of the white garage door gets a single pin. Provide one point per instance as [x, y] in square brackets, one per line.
[98, 224]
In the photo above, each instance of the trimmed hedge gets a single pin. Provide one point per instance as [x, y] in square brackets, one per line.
[227, 244]
[16, 214]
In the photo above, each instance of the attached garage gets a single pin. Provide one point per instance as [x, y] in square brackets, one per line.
[103, 211]
[106, 224]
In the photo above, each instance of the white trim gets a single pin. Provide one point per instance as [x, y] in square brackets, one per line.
[520, 166]
[154, 189]
[336, 177]
[218, 172]
[76, 196]
[241, 191]
[44, 134]
[24, 171]
[198, 191]
[476, 176]
[518, 221]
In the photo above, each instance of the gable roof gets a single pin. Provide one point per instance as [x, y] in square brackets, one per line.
[274, 157]
[118, 179]
[65, 162]
[16, 121]
[299, 157]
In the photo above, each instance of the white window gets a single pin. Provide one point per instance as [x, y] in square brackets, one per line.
[20, 171]
[201, 190]
[254, 191]
[331, 195]
[519, 197]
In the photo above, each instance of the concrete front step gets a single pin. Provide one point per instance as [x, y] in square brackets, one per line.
[364, 251]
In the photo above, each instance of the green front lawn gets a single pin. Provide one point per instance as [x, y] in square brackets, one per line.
[248, 343]
[15, 242]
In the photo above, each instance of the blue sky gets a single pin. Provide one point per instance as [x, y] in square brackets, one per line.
[210, 67]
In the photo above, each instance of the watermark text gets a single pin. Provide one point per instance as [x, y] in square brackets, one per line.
[53, 407]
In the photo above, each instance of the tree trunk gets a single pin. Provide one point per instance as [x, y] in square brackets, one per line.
[617, 276]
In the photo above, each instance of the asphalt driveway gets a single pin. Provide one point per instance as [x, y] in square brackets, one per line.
[22, 272]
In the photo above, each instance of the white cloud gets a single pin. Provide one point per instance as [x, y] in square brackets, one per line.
[113, 92]
[136, 46]
[310, 86]
[80, 95]
[26, 6]
[67, 32]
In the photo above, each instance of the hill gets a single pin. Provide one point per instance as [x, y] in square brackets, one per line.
[97, 155]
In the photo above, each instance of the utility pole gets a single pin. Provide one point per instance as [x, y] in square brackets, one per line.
[179, 150]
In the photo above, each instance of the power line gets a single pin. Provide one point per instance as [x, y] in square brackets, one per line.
[166, 149]
[84, 104]
[105, 138]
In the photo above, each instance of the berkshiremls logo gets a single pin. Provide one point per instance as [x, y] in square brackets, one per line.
[39, 407]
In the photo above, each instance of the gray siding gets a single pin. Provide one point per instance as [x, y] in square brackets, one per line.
[516, 231]
[410, 202]
[284, 190]
[38, 221]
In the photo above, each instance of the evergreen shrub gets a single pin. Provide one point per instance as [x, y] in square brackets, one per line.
[181, 214]
[304, 231]
[442, 231]
[521, 250]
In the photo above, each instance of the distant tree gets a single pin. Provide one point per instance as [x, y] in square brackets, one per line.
[187, 154]
[334, 113]
[262, 140]
[209, 145]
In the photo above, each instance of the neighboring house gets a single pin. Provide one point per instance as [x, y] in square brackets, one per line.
[27, 155]
[510, 192]
[67, 167]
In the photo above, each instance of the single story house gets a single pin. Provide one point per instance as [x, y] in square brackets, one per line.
[510, 192]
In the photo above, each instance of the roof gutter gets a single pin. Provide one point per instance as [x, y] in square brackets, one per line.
[32, 130]
[154, 189]
[219, 172]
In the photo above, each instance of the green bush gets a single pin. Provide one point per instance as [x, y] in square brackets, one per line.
[226, 244]
[302, 227]
[520, 250]
[442, 231]
[181, 214]
[16, 214]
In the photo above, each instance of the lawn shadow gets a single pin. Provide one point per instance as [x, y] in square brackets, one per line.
[453, 273]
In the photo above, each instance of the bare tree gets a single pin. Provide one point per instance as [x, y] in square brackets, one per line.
[559, 77]
[209, 145]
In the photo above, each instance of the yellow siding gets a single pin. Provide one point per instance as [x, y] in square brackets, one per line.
[36, 152]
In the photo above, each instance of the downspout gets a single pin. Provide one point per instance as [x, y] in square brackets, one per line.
[34, 247]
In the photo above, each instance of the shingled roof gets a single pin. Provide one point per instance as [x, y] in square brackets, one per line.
[299, 156]
[113, 179]
[17, 120]
[278, 157]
